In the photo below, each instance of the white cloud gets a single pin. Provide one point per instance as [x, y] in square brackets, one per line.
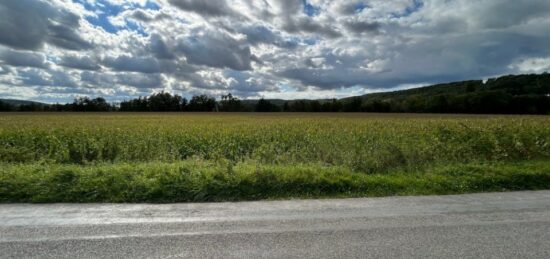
[264, 48]
[533, 65]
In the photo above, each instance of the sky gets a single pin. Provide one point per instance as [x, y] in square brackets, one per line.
[56, 50]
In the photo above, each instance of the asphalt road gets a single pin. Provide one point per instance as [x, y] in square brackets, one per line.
[497, 225]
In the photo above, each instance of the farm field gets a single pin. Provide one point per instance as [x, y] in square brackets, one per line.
[179, 157]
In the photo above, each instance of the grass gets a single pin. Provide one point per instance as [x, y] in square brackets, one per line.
[225, 157]
[203, 181]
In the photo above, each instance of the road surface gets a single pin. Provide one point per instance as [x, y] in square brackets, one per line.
[496, 225]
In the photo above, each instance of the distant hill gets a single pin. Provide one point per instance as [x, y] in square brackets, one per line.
[515, 94]
[511, 84]
[21, 105]
[15, 102]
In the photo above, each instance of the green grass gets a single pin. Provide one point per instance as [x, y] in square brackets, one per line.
[204, 181]
[128, 157]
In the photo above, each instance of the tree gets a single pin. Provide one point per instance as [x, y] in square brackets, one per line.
[353, 105]
[138, 104]
[85, 104]
[230, 104]
[158, 102]
[202, 103]
[163, 102]
[6, 107]
[266, 106]
[31, 107]
[314, 106]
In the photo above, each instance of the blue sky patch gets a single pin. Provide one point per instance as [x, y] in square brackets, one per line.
[310, 41]
[310, 9]
[417, 4]
[133, 26]
[104, 9]
[151, 6]
[359, 7]
[415, 7]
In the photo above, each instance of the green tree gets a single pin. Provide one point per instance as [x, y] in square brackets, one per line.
[266, 106]
[202, 103]
[229, 103]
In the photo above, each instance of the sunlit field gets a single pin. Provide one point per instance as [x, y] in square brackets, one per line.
[169, 157]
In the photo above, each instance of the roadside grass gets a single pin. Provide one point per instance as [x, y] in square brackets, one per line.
[175, 157]
[196, 180]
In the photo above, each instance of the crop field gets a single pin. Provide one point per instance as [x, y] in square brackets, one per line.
[177, 157]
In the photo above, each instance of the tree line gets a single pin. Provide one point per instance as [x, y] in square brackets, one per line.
[522, 94]
[158, 102]
[489, 103]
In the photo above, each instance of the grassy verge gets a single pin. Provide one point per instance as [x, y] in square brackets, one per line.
[200, 180]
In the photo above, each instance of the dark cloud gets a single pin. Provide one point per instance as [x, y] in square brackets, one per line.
[22, 58]
[132, 64]
[290, 7]
[96, 78]
[460, 57]
[434, 60]
[28, 24]
[350, 8]
[262, 34]
[362, 26]
[140, 80]
[62, 79]
[141, 16]
[82, 63]
[204, 7]
[64, 36]
[308, 25]
[216, 49]
[159, 48]
[23, 26]
[501, 14]
[41, 77]
[295, 21]
[33, 77]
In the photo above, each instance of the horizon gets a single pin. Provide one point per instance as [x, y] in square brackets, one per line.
[291, 49]
[218, 98]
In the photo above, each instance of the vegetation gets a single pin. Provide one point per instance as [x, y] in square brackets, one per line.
[153, 157]
[189, 181]
[229, 103]
[523, 94]
[264, 105]
[160, 102]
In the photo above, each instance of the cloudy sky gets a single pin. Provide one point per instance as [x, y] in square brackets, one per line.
[55, 50]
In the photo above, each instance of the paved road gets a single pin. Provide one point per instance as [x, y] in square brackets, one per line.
[498, 225]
